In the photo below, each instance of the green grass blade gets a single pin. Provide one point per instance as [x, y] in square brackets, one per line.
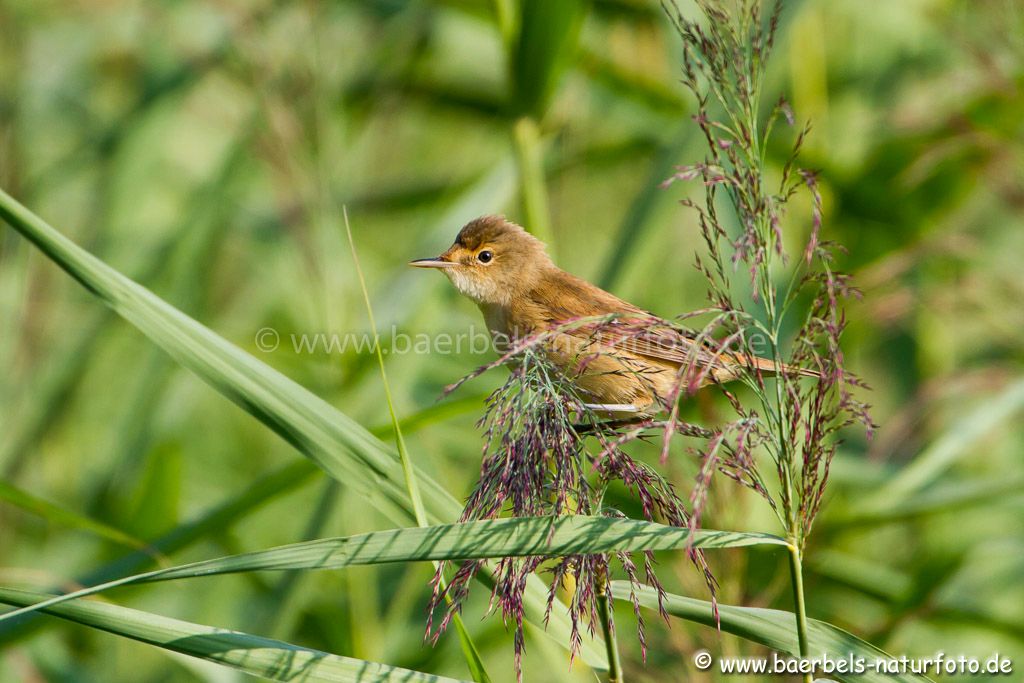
[333, 440]
[951, 446]
[274, 617]
[53, 381]
[515, 537]
[492, 538]
[264, 490]
[339, 445]
[419, 513]
[469, 649]
[955, 497]
[868, 576]
[69, 518]
[261, 492]
[776, 629]
[342, 447]
[192, 244]
[273, 659]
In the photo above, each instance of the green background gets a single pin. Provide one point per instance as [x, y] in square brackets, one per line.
[206, 148]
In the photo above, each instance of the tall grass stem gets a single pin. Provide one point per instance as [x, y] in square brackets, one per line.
[530, 160]
[611, 645]
[469, 648]
[796, 574]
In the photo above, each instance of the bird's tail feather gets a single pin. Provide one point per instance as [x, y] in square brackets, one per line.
[739, 364]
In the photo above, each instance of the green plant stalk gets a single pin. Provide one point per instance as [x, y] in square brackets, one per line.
[533, 191]
[419, 512]
[611, 645]
[796, 575]
[503, 15]
[796, 537]
[469, 649]
[795, 530]
[774, 320]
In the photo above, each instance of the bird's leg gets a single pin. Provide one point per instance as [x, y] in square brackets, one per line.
[609, 425]
[611, 407]
[589, 427]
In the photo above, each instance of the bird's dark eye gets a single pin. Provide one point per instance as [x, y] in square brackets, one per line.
[485, 256]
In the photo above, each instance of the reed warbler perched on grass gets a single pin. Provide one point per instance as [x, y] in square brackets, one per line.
[633, 363]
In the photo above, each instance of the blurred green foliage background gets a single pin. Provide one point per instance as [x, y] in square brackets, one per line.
[206, 148]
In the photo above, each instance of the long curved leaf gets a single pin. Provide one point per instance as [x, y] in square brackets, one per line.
[559, 536]
[338, 444]
[266, 657]
[776, 629]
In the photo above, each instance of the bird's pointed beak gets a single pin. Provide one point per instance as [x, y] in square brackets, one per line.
[436, 262]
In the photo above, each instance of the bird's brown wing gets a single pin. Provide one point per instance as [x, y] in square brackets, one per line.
[633, 330]
[639, 332]
[654, 338]
[657, 340]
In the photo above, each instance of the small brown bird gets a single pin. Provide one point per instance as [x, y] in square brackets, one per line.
[631, 365]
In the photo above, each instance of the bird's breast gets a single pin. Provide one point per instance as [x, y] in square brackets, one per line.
[498, 322]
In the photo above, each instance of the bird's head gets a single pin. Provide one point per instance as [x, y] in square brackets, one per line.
[492, 261]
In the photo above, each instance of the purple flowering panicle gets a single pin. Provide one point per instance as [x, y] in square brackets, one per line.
[547, 454]
[795, 421]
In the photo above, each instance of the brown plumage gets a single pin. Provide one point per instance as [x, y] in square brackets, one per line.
[631, 364]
